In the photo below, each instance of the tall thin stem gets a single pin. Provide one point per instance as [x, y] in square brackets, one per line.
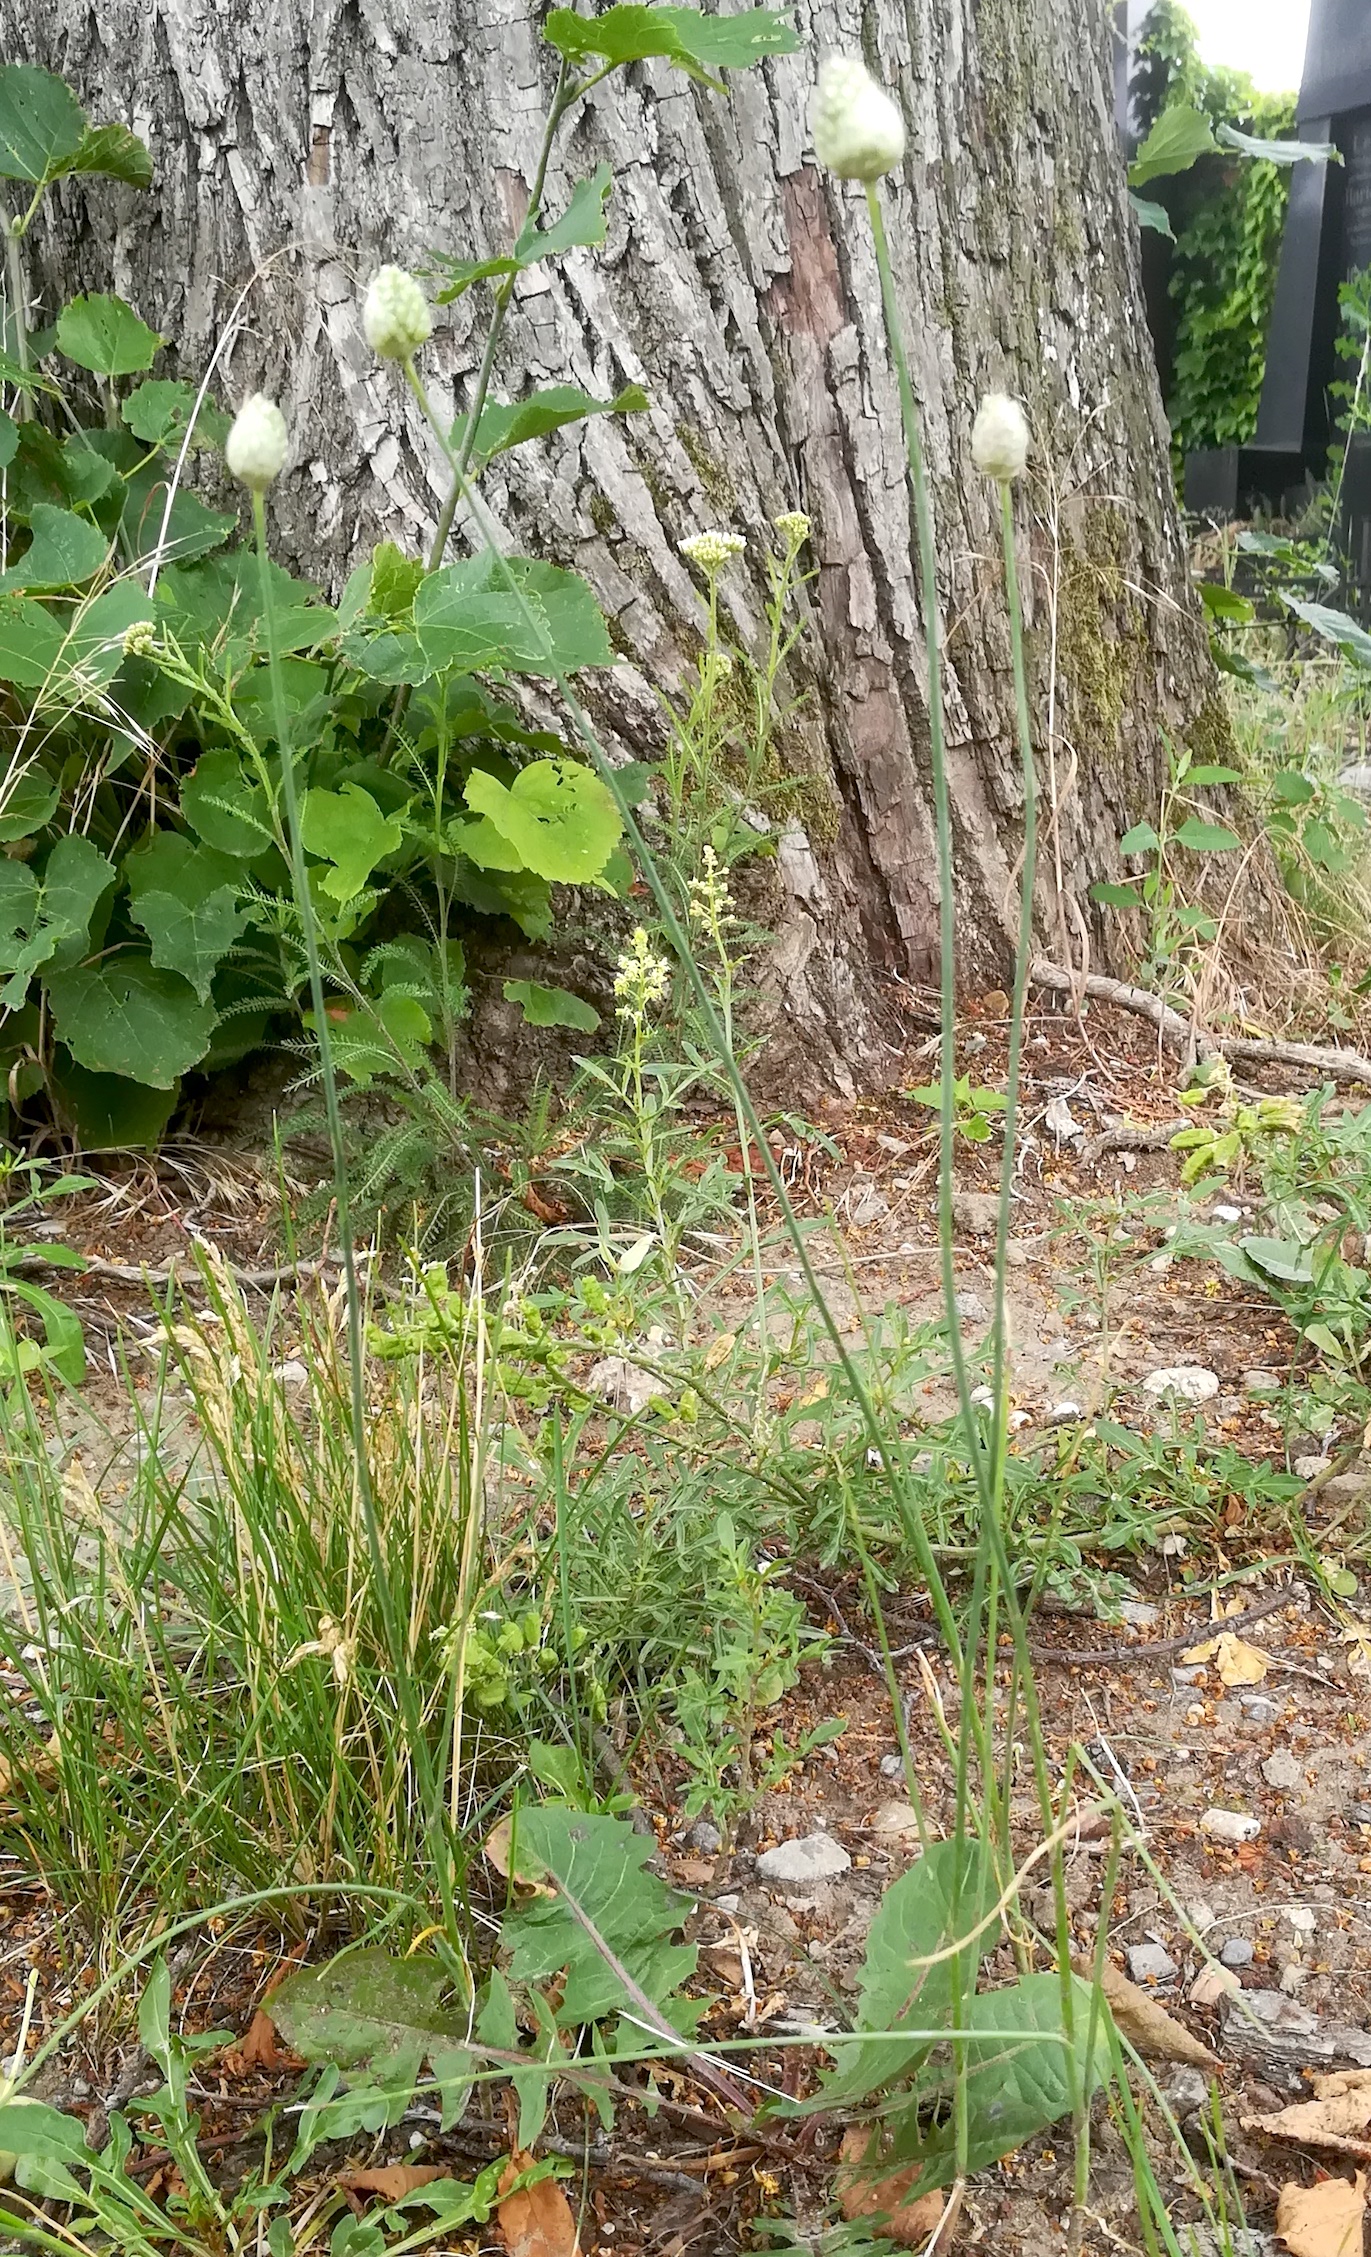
[19, 314]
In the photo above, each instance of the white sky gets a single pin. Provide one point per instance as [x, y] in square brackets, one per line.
[1265, 37]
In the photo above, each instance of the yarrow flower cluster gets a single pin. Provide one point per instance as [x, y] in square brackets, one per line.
[999, 438]
[396, 315]
[858, 132]
[642, 977]
[712, 551]
[140, 640]
[258, 443]
[794, 528]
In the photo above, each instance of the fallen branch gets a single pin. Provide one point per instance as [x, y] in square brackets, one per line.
[1133, 1657]
[1154, 1137]
[129, 1273]
[1175, 1029]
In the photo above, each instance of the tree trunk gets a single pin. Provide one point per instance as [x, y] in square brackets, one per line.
[299, 145]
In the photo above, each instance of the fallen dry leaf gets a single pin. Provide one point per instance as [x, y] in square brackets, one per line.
[1237, 1662]
[537, 2221]
[1149, 2026]
[393, 2180]
[42, 1770]
[1338, 2118]
[499, 1848]
[720, 1349]
[1324, 2220]
[261, 2048]
[693, 1872]
[863, 2194]
[1357, 1635]
[1211, 1984]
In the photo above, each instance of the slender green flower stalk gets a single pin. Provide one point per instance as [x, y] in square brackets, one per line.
[255, 452]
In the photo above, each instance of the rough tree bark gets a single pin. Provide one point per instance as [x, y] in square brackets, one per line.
[299, 144]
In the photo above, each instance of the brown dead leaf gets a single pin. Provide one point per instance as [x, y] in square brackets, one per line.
[693, 1872]
[720, 1349]
[392, 2180]
[1237, 1662]
[537, 2221]
[260, 2047]
[1211, 1984]
[1149, 2026]
[863, 2193]
[1324, 2220]
[499, 1848]
[42, 1770]
[1337, 2119]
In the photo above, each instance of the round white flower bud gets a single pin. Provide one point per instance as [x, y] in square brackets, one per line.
[396, 315]
[999, 438]
[858, 131]
[257, 444]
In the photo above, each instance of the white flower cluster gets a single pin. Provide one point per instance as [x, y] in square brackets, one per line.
[712, 551]
[710, 899]
[858, 132]
[258, 443]
[396, 315]
[794, 528]
[642, 977]
[999, 438]
[140, 640]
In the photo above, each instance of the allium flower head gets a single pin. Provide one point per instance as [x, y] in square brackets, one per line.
[712, 551]
[258, 443]
[396, 315]
[999, 438]
[858, 131]
[794, 528]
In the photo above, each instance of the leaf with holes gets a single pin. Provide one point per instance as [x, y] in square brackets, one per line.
[42, 125]
[125, 1016]
[695, 43]
[105, 335]
[505, 425]
[380, 2019]
[557, 814]
[63, 551]
[605, 1903]
[347, 828]
[551, 1006]
[115, 154]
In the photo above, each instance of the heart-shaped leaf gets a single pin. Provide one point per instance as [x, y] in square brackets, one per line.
[347, 828]
[557, 814]
[105, 335]
[125, 1016]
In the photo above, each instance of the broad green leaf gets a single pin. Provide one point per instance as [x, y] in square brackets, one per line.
[387, 657]
[942, 1898]
[557, 814]
[482, 844]
[1155, 216]
[1292, 789]
[190, 529]
[1212, 772]
[471, 631]
[380, 2019]
[30, 648]
[1205, 838]
[1142, 839]
[1116, 897]
[1225, 603]
[116, 154]
[596, 1864]
[64, 550]
[498, 2026]
[497, 893]
[93, 647]
[1334, 627]
[75, 876]
[104, 334]
[28, 800]
[42, 125]
[395, 581]
[107, 1112]
[629, 34]
[347, 828]
[159, 413]
[1283, 1258]
[581, 226]
[1243, 668]
[224, 807]
[1179, 136]
[87, 475]
[9, 439]
[191, 937]
[125, 1016]
[1280, 152]
[551, 1006]
[575, 620]
[1019, 2076]
[461, 273]
[503, 426]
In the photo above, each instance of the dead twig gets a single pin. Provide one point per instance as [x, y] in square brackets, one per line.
[1132, 1657]
[1314, 1058]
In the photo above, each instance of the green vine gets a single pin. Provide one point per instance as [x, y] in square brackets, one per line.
[1228, 214]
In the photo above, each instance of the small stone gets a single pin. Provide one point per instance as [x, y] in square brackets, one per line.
[1347, 1488]
[1193, 1674]
[892, 1766]
[1211, 1984]
[1309, 1468]
[1260, 1383]
[1282, 1771]
[977, 1212]
[1016, 1254]
[292, 1373]
[1259, 1708]
[1062, 1414]
[1237, 1952]
[1359, 1813]
[896, 1818]
[871, 1206]
[972, 1308]
[804, 1862]
[1301, 1919]
[1293, 1978]
[731, 1903]
[705, 1836]
[1187, 2089]
[1139, 1613]
[1186, 1383]
[1228, 1214]
[1149, 1963]
[1200, 1916]
[623, 1386]
[1230, 1826]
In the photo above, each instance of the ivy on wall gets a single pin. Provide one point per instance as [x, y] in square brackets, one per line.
[1227, 215]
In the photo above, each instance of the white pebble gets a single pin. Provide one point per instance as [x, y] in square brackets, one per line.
[1188, 1383]
[1230, 1826]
